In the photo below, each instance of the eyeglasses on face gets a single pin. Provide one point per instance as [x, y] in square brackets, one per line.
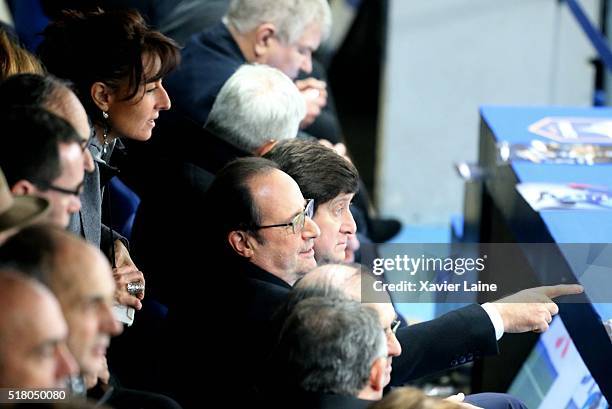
[297, 223]
[394, 325]
[50, 186]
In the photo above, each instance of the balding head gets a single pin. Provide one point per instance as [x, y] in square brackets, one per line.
[345, 278]
[350, 280]
[80, 277]
[33, 352]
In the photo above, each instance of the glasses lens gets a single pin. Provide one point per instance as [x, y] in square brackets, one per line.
[309, 211]
[298, 223]
[395, 325]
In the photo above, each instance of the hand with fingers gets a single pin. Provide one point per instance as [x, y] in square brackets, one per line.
[130, 282]
[315, 95]
[532, 309]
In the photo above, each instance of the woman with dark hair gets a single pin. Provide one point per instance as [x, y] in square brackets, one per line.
[116, 63]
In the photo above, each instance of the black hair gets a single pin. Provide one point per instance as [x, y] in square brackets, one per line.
[29, 145]
[320, 172]
[229, 202]
[31, 90]
[98, 46]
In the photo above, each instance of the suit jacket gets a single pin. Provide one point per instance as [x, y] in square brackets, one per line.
[166, 224]
[312, 400]
[207, 61]
[88, 221]
[232, 302]
[453, 339]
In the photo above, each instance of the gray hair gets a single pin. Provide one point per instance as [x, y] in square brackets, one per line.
[290, 17]
[256, 104]
[330, 344]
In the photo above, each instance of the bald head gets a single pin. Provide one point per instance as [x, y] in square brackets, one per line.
[33, 352]
[345, 278]
[350, 280]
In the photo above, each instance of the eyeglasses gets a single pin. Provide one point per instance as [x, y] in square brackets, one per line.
[395, 325]
[297, 223]
[49, 186]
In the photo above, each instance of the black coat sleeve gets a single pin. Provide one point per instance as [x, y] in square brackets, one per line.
[453, 339]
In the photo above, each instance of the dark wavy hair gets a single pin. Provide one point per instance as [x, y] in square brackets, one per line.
[319, 171]
[99, 46]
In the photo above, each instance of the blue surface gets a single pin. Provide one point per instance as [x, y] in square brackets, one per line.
[583, 320]
[566, 226]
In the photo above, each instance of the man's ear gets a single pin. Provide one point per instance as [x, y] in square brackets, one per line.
[102, 95]
[264, 33]
[378, 374]
[239, 241]
[266, 147]
[23, 187]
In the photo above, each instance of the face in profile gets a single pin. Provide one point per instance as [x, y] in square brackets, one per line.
[280, 250]
[336, 222]
[388, 320]
[135, 118]
[71, 109]
[291, 58]
[87, 305]
[33, 351]
[64, 192]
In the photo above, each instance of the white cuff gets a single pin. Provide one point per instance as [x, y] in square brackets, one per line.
[496, 319]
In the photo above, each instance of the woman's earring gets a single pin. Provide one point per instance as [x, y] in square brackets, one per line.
[105, 132]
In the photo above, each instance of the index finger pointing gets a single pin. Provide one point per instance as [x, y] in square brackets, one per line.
[554, 291]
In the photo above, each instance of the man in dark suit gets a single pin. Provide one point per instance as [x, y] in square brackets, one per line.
[333, 354]
[282, 34]
[257, 106]
[55, 96]
[472, 331]
[260, 239]
[81, 278]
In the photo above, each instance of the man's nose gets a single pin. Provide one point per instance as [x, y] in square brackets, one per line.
[311, 230]
[306, 64]
[348, 223]
[88, 162]
[393, 346]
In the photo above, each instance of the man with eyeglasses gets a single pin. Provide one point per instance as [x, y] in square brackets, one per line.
[332, 353]
[41, 155]
[54, 95]
[348, 280]
[258, 235]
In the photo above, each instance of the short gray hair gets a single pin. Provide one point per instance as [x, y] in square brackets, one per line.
[256, 104]
[290, 17]
[329, 345]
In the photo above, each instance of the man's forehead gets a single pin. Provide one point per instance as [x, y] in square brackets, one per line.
[342, 197]
[385, 311]
[311, 37]
[275, 186]
[89, 277]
